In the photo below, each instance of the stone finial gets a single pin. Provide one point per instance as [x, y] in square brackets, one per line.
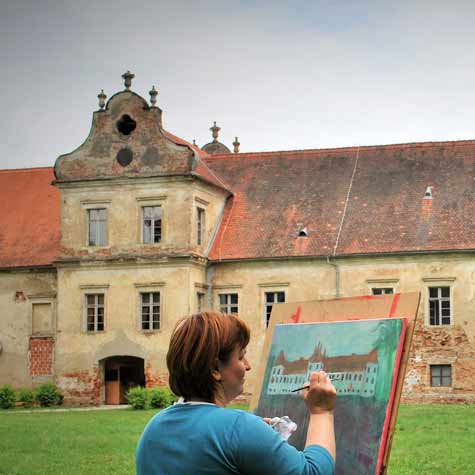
[102, 99]
[127, 77]
[236, 144]
[215, 130]
[153, 96]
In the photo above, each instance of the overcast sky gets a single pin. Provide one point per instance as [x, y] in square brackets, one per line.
[279, 74]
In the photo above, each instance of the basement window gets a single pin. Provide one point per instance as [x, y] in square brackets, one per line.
[126, 125]
[440, 375]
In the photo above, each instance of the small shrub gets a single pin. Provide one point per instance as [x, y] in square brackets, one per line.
[48, 394]
[161, 397]
[7, 397]
[138, 397]
[26, 396]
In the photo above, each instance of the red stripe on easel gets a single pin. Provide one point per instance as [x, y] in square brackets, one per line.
[295, 318]
[392, 310]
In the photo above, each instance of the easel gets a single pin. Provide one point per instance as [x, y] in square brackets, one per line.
[353, 308]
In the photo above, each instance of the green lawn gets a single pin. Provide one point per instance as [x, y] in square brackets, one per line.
[429, 440]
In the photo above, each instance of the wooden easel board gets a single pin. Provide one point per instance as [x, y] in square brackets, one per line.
[347, 309]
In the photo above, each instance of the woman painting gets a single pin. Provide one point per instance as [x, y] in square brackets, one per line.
[207, 366]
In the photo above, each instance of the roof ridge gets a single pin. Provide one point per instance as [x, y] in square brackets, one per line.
[226, 186]
[9, 170]
[346, 148]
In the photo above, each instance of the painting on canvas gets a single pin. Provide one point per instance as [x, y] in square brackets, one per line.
[362, 359]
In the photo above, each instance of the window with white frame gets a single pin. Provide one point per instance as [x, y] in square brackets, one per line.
[200, 226]
[270, 299]
[97, 227]
[439, 306]
[440, 375]
[151, 224]
[150, 310]
[229, 303]
[94, 312]
[382, 290]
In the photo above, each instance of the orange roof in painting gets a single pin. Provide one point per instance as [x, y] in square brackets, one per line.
[332, 364]
[29, 218]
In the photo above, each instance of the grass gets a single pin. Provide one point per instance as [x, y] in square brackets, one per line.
[434, 439]
[428, 440]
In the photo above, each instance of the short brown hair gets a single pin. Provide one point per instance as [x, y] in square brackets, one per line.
[197, 342]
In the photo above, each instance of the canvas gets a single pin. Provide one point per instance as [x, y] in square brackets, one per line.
[362, 360]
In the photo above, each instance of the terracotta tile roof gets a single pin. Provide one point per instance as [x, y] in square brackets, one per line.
[351, 200]
[355, 200]
[333, 364]
[180, 141]
[29, 217]
[204, 172]
[200, 170]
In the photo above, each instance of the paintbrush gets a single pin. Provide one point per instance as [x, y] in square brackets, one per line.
[300, 389]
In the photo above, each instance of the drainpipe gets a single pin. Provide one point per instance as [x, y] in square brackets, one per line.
[337, 276]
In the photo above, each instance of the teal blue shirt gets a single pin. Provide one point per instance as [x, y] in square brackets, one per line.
[204, 439]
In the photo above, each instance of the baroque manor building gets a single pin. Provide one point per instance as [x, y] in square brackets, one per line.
[100, 255]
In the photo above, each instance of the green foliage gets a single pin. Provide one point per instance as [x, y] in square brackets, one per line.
[138, 397]
[161, 397]
[26, 396]
[7, 397]
[48, 394]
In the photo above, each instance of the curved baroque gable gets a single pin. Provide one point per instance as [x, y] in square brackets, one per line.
[126, 139]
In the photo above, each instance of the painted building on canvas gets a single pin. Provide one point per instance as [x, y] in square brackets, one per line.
[353, 375]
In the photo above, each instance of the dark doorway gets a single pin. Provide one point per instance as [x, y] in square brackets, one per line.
[120, 374]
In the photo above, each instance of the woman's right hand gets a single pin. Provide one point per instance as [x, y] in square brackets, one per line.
[321, 394]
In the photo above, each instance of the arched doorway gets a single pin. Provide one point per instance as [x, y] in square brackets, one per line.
[120, 374]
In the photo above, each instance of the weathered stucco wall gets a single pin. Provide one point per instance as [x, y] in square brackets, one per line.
[79, 353]
[315, 279]
[124, 200]
[19, 292]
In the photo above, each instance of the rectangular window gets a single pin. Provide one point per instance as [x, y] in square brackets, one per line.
[440, 375]
[271, 298]
[228, 303]
[200, 301]
[439, 305]
[95, 312]
[97, 227]
[150, 305]
[200, 225]
[152, 224]
[382, 290]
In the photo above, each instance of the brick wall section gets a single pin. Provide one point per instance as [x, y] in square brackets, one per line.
[41, 356]
[82, 387]
[435, 346]
[154, 379]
